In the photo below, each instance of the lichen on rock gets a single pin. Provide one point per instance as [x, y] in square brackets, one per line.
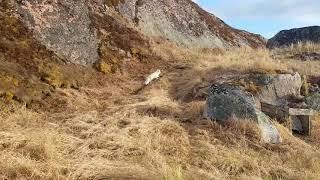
[63, 27]
[231, 103]
[185, 23]
[313, 101]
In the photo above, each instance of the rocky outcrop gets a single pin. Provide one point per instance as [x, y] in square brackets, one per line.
[313, 101]
[279, 88]
[184, 22]
[76, 30]
[63, 27]
[226, 102]
[42, 42]
[286, 90]
[293, 36]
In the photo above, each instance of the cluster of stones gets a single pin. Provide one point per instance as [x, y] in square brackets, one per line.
[232, 102]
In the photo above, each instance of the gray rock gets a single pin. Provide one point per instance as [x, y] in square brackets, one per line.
[185, 23]
[63, 27]
[313, 101]
[293, 36]
[280, 87]
[74, 30]
[226, 102]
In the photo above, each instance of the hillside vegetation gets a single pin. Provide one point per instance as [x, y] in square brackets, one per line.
[116, 128]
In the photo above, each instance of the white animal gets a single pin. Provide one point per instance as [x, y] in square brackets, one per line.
[152, 77]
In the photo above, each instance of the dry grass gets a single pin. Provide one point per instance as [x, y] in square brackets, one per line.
[29, 148]
[106, 132]
[130, 144]
[300, 48]
[244, 59]
[195, 70]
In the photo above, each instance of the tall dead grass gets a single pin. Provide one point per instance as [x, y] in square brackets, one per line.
[130, 144]
[244, 59]
[95, 134]
[299, 48]
[29, 148]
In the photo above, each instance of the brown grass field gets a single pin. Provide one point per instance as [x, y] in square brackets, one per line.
[109, 132]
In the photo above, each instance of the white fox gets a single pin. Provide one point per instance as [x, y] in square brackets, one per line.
[152, 77]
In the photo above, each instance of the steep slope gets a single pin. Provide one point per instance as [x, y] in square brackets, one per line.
[184, 22]
[42, 42]
[293, 36]
[73, 30]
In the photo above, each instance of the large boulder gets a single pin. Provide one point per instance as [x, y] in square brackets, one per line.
[227, 102]
[63, 27]
[279, 88]
[293, 36]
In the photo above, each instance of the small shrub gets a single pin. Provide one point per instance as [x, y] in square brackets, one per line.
[53, 76]
[104, 67]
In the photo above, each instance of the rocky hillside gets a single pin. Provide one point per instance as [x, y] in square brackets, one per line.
[293, 36]
[184, 22]
[42, 42]
[60, 118]
[112, 131]
[75, 30]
